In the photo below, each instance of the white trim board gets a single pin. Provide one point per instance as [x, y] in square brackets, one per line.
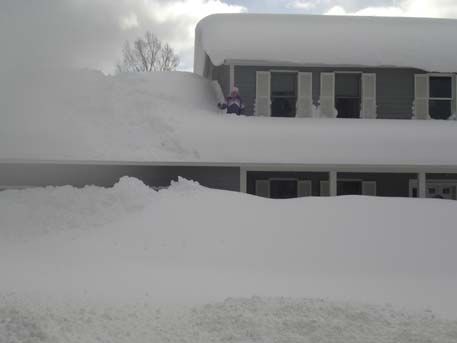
[266, 63]
[254, 166]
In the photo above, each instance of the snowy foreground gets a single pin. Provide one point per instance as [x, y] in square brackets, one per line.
[129, 264]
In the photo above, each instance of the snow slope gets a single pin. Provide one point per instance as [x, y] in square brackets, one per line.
[132, 264]
[172, 117]
[320, 40]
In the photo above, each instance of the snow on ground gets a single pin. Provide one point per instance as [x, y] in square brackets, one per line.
[172, 117]
[320, 40]
[130, 264]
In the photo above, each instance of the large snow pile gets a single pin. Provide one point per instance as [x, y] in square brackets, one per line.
[172, 117]
[133, 264]
[318, 40]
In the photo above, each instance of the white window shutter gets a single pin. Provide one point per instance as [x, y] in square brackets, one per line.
[305, 95]
[327, 96]
[304, 188]
[325, 189]
[262, 188]
[263, 94]
[369, 188]
[368, 96]
[421, 96]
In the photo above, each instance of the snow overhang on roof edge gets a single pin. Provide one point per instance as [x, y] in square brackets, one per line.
[378, 41]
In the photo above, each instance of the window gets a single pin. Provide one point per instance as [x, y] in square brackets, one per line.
[283, 189]
[283, 94]
[440, 97]
[437, 189]
[348, 95]
[349, 187]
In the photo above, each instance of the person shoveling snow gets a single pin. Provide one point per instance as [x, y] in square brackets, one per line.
[233, 103]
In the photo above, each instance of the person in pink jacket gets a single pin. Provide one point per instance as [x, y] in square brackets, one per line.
[233, 103]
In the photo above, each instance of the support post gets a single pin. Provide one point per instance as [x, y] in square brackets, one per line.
[243, 180]
[232, 77]
[333, 182]
[421, 185]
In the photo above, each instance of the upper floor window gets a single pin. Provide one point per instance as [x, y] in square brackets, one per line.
[440, 97]
[283, 94]
[348, 95]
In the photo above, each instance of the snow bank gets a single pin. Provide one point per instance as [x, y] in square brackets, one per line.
[129, 263]
[327, 40]
[234, 320]
[172, 117]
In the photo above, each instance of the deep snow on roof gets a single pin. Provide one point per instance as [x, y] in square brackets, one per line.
[173, 118]
[428, 44]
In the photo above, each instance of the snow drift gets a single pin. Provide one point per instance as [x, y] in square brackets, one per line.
[129, 263]
[172, 117]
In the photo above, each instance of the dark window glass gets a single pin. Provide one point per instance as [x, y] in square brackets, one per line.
[347, 108]
[283, 94]
[283, 107]
[283, 84]
[347, 95]
[283, 189]
[347, 85]
[440, 109]
[349, 187]
[440, 87]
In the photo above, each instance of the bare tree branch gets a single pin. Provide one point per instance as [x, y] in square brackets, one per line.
[147, 55]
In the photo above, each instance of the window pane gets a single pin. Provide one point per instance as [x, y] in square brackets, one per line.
[347, 107]
[440, 109]
[347, 85]
[283, 107]
[349, 187]
[440, 87]
[283, 189]
[284, 84]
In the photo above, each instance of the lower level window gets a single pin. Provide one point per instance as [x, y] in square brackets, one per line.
[349, 187]
[283, 189]
[436, 189]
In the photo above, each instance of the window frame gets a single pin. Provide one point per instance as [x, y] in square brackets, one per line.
[451, 99]
[354, 98]
[288, 97]
[283, 179]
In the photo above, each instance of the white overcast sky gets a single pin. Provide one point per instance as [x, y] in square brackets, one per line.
[90, 33]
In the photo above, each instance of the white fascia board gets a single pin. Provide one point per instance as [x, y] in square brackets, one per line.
[253, 166]
[266, 63]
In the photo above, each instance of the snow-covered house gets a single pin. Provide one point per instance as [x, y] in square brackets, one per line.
[338, 67]
[396, 76]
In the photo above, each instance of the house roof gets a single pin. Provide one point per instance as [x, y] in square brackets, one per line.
[172, 118]
[319, 40]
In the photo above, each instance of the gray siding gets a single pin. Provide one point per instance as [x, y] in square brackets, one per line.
[222, 74]
[105, 175]
[395, 87]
